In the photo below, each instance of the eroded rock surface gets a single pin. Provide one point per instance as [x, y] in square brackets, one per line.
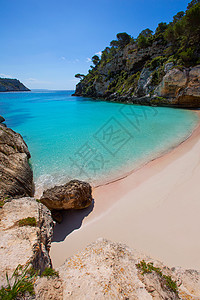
[19, 245]
[73, 195]
[106, 270]
[16, 176]
[181, 86]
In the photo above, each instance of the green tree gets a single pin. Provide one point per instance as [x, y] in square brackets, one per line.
[80, 76]
[178, 16]
[146, 32]
[95, 60]
[142, 41]
[114, 43]
[192, 3]
[161, 28]
[123, 39]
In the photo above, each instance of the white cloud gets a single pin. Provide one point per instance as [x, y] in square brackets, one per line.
[98, 53]
[88, 59]
[63, 58]
[5, 76]
[32, 79]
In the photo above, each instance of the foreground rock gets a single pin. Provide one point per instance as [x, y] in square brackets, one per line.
[22, 244]
[106, 270]
[73, 195]
[11, 85]
[16, 176]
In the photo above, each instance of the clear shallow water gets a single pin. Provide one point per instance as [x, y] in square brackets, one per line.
[75, 137]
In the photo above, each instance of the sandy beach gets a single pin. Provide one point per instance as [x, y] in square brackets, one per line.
[154, 210]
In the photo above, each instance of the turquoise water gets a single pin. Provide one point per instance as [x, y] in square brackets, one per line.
[75, 137]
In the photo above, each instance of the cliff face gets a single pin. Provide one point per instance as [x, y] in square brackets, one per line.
[11, 85]
[155, 69]
[16, 176]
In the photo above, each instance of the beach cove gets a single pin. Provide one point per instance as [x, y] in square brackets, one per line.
[155, 210]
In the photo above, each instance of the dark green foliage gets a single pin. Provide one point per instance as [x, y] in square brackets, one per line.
[192, 3]
[161, 28]
[123, 39]
[156, 62]
[29, 221]
[146, 268]
[142, 42]
[49, 272]
[146, 32]
[1, 203]
[20, 284]
[95, 60]
[80, 76]
[178, 16]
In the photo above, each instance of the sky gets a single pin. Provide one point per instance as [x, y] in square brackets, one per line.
[44, 43]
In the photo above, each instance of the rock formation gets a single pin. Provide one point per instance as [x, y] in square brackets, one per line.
[106, 270]
[181, 87]
[140, 70]
[2, 119]
[11, 85]
[22, 244]
[73, 195]
[16, 176]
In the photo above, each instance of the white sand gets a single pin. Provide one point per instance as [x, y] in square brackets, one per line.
[156, 210]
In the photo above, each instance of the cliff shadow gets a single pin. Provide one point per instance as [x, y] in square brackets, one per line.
[72, 220]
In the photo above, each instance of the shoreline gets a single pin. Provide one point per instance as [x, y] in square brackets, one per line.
[145, 210]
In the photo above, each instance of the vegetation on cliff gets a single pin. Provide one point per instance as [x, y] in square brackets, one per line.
[130, 63]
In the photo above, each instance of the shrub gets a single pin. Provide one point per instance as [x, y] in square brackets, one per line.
[49, 272]
[20, 283]
[30, 221]
[149, 268]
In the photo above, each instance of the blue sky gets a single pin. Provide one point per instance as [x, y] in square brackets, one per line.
[45, 42]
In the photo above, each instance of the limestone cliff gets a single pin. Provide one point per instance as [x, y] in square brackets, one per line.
[16, 176]
[11, 85]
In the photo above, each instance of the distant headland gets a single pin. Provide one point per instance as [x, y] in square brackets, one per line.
[12, 85]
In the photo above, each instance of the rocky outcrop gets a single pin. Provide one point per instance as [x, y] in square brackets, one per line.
[181, 87]
[73, 195]
[2, 119]
[107, 270]
[24, 244]
[16, 176]
[11, 85]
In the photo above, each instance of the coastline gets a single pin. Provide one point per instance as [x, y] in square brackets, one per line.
[149, 210]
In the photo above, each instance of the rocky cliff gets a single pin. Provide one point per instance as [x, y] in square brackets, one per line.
[16, 176]
[11, 85]
[154, 69]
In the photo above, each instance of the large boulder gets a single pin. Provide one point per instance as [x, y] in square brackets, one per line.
[24, 244]
[16, 176]
[73, 195]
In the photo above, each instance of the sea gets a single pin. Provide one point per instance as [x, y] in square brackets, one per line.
[81, 138]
